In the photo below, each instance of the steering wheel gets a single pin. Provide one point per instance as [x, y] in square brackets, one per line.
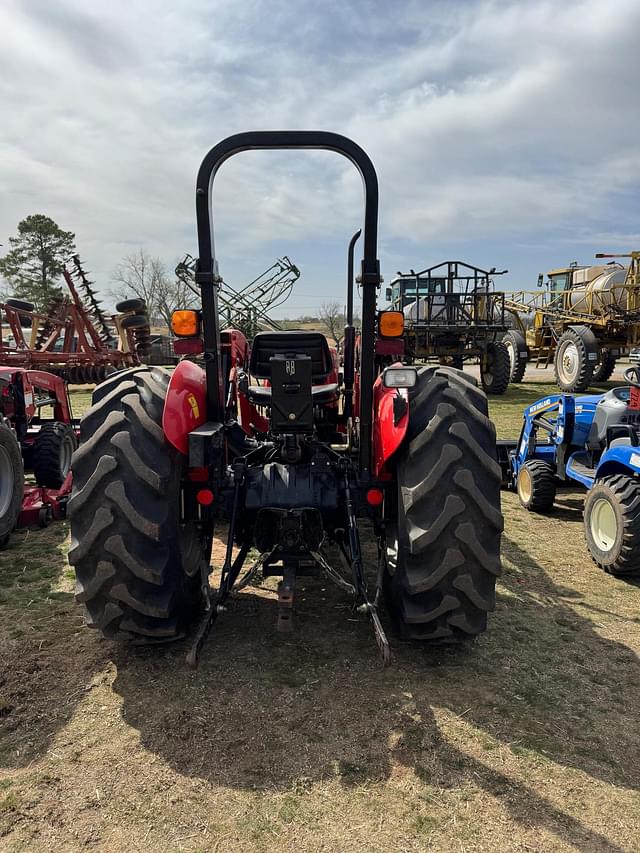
[632, 375]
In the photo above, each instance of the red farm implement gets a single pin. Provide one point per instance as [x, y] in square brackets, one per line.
[37, 433]
[74, 338]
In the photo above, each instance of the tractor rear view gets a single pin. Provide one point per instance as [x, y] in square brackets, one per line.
[267, 440]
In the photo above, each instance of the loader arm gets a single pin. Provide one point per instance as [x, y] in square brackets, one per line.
[547, 431]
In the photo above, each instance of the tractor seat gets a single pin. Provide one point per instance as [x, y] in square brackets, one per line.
[320, 394]
[266, 345]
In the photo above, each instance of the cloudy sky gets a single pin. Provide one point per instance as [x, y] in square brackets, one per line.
[503, 133]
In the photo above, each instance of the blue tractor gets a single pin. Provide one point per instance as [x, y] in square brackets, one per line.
[593, 440]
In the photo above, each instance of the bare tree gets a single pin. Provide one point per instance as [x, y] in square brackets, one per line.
[146, 277]
[331, 314]
[174, 293]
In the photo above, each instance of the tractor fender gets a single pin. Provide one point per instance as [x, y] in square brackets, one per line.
[185, 407]
[619, 459]
[389, 425]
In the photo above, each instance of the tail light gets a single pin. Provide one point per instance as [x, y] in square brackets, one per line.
[375, 497]
[185, 323]
[391, 324]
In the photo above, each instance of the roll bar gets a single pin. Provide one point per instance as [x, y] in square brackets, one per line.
[350, 253]
[208, 278]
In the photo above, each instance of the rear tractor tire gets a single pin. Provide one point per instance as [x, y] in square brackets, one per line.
[612, 524]
[536, 486]
[518, 354]
[443, 556]
[495, 368]
[137, 564]
[51, 454]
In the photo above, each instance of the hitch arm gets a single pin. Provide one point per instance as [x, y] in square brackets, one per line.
[360, 581]
[230, 571]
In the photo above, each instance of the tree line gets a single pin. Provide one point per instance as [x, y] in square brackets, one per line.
[33, 266]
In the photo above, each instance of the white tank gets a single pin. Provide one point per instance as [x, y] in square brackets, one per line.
[597, 295]
[416, 311]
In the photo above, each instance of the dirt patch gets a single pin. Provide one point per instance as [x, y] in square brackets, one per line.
[527, 740]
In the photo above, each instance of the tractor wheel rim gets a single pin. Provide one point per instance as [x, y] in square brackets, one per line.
[568, 362]
[604, 525]
[7, 481]
[66, 452]
[512, 354]
[525, 485]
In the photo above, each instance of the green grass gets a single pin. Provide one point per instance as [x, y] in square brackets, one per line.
[80, 402]
[529, 739]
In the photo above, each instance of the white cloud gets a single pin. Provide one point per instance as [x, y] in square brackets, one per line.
[502, 123]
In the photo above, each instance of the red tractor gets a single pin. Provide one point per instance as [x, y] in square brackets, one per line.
[37, 432]
[269, 442]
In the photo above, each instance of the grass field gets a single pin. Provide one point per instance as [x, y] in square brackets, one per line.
[529, 740]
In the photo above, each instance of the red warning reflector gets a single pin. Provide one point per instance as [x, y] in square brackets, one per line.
[198, 475]
[204, 497]
[188, 346]
[375, 497]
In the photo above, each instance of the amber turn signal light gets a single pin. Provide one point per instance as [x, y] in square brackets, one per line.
[185, 323]
[391, 324]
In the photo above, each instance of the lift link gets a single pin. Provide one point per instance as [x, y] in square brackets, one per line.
[230, 571]
[360, 582]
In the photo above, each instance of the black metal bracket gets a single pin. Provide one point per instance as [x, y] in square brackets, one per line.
[400, 408]
[366, 605]
[205, 443]
[229, 575]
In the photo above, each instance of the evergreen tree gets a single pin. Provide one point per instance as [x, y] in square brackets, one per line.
[36, 259]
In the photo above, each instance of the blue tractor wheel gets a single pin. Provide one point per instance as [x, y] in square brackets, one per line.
[612, 524]
[536, 486]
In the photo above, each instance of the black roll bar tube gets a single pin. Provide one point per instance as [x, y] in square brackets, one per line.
[349, 348]
[352, 246]
[208, 278]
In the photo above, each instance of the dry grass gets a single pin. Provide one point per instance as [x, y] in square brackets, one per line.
[528, 740]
